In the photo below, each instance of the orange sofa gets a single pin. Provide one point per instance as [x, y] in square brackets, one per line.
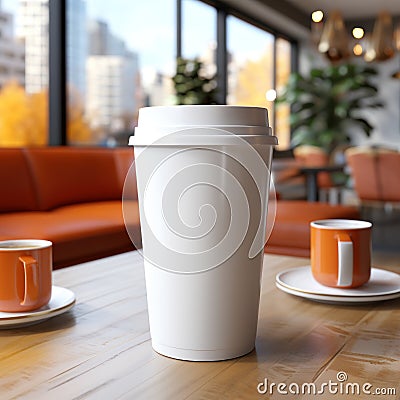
[291, 232]
[71, 196]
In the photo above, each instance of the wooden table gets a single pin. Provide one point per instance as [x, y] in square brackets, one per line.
[101, 349]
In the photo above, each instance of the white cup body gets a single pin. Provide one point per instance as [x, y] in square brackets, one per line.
[202, 193]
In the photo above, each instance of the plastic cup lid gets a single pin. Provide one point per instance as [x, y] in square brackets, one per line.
[172, 125]
[202, 115]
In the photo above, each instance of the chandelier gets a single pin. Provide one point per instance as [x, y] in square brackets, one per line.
[333, 40]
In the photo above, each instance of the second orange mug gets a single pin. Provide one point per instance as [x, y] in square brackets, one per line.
[25, 274]
[341, 252]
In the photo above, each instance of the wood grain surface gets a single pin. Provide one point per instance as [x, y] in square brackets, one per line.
[101, 349]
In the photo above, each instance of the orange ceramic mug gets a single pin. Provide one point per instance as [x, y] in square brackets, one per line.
[341, 252]
[25, 274]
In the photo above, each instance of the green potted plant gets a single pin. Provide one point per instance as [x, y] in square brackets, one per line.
[327, 104]
[192, 86]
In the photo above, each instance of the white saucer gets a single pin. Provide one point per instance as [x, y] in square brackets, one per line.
[62, 300]
[383, 285]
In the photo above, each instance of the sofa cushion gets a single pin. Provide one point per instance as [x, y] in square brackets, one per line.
[79, 232]
[17, 189]
[67, 175]
[124, 158]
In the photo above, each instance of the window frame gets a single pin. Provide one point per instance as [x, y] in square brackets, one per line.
[57, 73]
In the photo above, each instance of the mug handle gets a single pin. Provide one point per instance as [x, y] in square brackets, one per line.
[345, 258]
[31, 273]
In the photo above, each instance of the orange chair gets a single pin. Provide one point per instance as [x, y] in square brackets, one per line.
[291, 232]
[375, 172]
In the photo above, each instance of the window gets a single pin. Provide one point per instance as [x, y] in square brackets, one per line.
[24, 73]
[199, 36]
[127, 47]
[283, 69]
[259, 64]
[120, 56]
[251, 66]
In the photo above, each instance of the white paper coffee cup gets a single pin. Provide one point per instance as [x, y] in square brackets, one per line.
[203, 178]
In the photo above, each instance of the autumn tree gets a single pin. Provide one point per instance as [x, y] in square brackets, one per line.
[78, 130]
[24, 118]
[283, 70]
[20, 120]
[255, 78]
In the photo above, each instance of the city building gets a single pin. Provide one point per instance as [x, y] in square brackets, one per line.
[112, 73]
[32, 27]
[77, 46]
[98, 37]
[159, 89]
[12, 52]
[103, 42]
[110, 100]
